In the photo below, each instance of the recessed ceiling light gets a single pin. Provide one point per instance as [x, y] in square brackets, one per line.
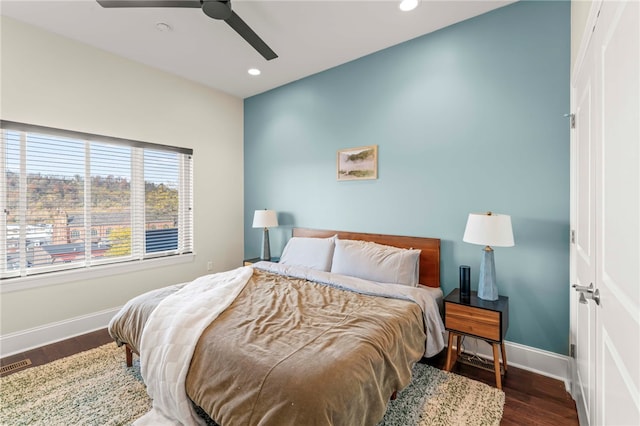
[254, 71]
[407, 5]
[163, 27]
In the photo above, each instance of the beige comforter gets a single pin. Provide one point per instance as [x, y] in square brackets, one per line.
[294, 352]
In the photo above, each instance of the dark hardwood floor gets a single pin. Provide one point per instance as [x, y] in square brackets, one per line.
[531, 399]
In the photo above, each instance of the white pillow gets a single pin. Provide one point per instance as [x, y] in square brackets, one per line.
[315, 253]
[376, 262]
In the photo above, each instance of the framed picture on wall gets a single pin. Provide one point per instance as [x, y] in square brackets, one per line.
[358, 163]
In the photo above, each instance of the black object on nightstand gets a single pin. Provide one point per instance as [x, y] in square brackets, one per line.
[484, 319]
[465, 282]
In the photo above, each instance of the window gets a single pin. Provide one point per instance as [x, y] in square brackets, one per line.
[74, 200]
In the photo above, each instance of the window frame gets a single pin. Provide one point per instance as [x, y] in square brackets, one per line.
[94, 268]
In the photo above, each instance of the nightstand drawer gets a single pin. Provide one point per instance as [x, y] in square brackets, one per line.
[475, 321]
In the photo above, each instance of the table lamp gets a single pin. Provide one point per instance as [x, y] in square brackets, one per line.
[488, 229]
[265, 219]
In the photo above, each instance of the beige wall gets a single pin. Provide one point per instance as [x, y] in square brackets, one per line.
[53, 81]
[579, 14]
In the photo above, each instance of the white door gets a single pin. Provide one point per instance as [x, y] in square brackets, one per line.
[618, 239]
[607, 334]
[584, 247]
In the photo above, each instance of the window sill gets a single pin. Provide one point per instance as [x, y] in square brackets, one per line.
[35, 281]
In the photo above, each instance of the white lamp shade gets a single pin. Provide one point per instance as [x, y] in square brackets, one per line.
[489, 229]
[265, 219]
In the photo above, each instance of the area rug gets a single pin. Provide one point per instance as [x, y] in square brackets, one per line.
[96, 388]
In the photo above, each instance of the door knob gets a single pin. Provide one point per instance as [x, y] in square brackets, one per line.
[587, 293]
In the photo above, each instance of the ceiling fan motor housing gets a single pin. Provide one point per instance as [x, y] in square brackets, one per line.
[217, 9]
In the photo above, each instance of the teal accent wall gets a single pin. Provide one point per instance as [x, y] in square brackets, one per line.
[466, 119]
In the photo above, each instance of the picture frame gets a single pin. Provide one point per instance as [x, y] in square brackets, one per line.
[360, 163]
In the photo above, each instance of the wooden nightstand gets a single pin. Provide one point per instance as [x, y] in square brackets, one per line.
[249, 262]
[484, 319]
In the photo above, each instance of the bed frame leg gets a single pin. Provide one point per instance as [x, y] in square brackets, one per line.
[129, 355]
[394, 395]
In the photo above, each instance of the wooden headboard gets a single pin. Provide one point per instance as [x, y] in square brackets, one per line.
[429, 255]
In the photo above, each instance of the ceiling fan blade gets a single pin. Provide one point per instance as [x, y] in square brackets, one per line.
[149, 3]
[250, 36]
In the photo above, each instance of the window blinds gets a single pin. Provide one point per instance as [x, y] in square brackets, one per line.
[75, 200]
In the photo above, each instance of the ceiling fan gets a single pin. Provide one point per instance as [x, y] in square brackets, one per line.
[216, 9]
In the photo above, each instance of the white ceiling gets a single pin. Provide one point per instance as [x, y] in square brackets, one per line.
[308, 36]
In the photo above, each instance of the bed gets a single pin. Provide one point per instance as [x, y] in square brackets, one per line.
[312, 340]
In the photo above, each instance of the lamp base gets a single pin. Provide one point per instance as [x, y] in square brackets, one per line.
[266, 251]
[487, 288]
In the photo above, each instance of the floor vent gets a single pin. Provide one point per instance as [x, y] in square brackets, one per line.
[15, 366]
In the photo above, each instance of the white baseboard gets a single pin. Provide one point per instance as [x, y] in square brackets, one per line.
[32, 338]
[536, 360]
